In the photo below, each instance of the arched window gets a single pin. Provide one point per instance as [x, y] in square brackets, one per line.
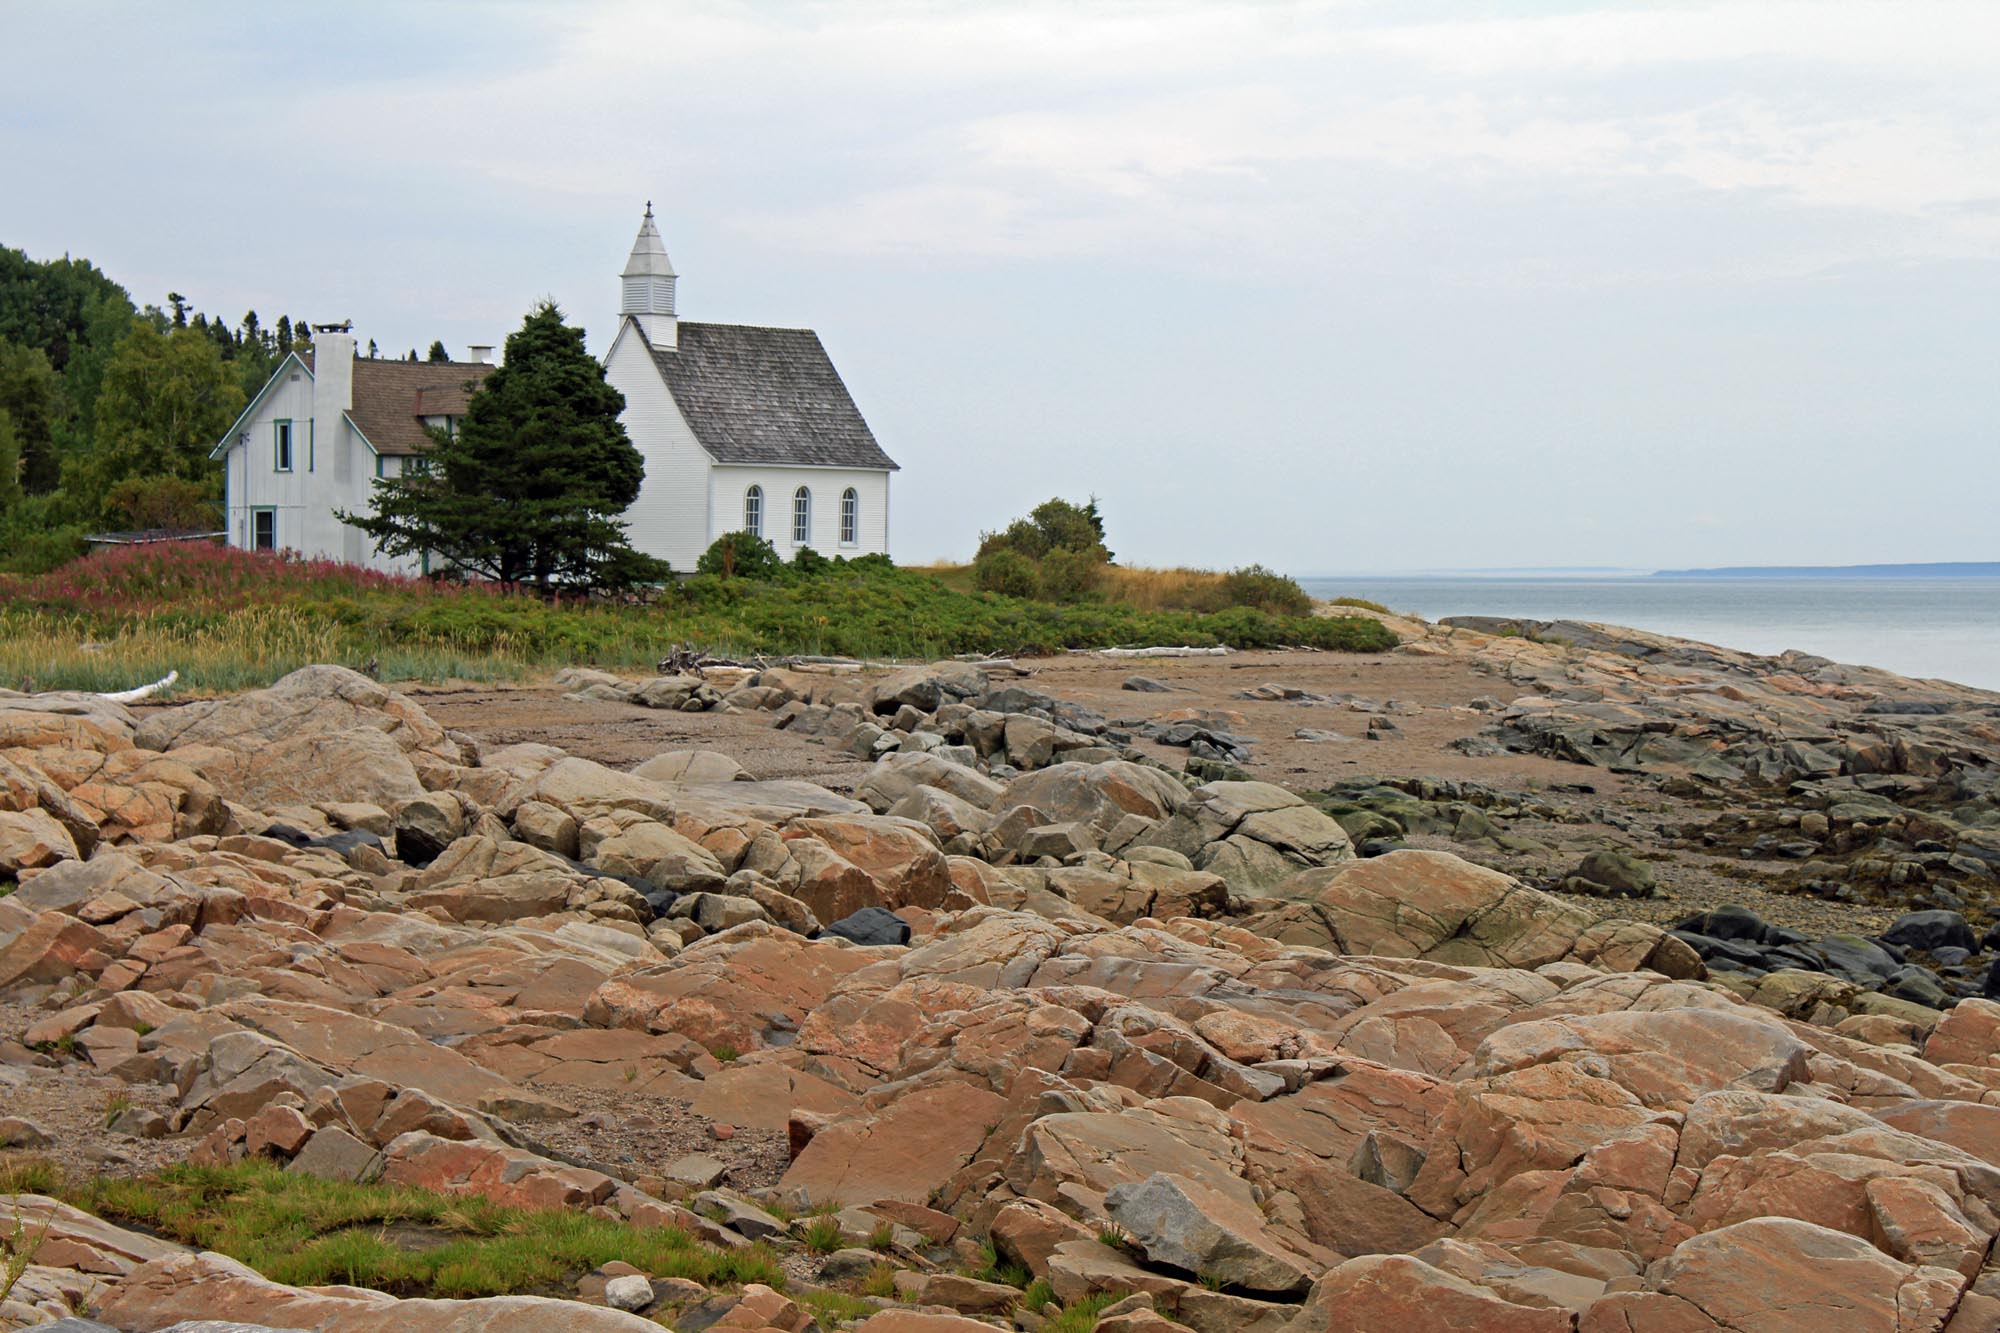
[802, 516]
[753, 511]
[850, 517]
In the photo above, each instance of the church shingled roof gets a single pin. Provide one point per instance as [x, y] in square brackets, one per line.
[767, 396]
[391, 398]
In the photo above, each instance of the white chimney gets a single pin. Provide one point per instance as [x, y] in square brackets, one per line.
[482, 353]
[333, 397]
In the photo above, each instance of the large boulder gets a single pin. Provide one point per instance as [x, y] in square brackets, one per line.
[361, 765]
[1788, 1276]
[1100, 795]
[1398, 1292]
[1204, 1232]
[480, 879]
[900, 860]
[904, 1152]
[1433, 905]
[897, 775]
[584, 791]
[313, 701]
[1257, 836]
[695, 766]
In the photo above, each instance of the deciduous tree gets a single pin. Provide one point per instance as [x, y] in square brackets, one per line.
[167, 398]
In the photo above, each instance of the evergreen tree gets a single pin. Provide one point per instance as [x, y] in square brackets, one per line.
[10, 465]
[373, 351]
[284, 344]
[437, 352]
[31, 397]
[412, 356]
[530, 488]
[179, 305]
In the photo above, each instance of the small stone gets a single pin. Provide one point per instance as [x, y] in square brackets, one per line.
[629, 1292]
[697, 1171]
[18, 1133]
[723, 1133]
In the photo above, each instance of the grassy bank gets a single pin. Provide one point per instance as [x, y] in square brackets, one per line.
[304, 1231]
[231, 620]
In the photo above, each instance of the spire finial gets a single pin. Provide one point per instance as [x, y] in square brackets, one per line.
[649, 208]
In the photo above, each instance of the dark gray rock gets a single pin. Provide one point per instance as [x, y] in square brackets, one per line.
[1930, 931]
[1916, 985]
[872, 926]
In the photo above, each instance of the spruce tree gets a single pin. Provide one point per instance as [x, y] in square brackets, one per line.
[437, 352]
[530, 488]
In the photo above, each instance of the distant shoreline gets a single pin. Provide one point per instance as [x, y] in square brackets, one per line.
[1966, 569]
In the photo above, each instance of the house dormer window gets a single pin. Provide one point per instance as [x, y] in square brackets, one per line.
[802, 516]
[281, 444]
[753, 511]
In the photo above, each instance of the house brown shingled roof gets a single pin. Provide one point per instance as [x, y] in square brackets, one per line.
[767, 396]
[392, 397]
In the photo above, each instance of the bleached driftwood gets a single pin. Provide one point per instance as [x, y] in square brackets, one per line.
[144, 691]
[1220, 650]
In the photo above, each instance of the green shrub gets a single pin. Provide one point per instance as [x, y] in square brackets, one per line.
[1265, 590]
[1362, 602]
[808, 561]
[1070, 576]
[739, 555]
[1005, 571]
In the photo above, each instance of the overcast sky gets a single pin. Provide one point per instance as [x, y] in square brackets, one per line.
[1334, 286]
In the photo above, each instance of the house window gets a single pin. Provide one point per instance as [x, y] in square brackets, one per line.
[802, 516]
[281, 450]
[850, 517]
[753, 511]
[312, 441]
[416, 466]
[263, 529]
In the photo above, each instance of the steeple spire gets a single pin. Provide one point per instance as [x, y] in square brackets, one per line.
[647, 285]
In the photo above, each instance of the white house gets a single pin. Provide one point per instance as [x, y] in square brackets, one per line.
[741, 428]
[317, 435]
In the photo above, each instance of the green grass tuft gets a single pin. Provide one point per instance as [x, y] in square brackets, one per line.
[823, 1235]
[1081, 1316]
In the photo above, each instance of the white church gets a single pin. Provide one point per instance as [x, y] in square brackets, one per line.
[742, 429]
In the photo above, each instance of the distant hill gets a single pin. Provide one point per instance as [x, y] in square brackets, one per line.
[1962, 569]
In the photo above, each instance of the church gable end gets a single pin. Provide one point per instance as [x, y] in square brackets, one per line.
[757, 396]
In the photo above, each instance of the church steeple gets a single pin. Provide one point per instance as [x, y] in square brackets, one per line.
[648, 285]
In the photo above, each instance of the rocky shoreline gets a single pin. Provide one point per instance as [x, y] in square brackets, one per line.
[1457, 1023]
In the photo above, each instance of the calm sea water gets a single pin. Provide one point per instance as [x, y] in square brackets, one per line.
[1944, 628]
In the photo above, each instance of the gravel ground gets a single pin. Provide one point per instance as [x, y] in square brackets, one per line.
[630, 1135]
[1440, 690]
[70, 1102]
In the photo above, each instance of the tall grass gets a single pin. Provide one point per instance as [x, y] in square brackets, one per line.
[230, 620]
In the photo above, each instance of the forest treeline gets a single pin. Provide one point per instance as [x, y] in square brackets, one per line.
[108, 409]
